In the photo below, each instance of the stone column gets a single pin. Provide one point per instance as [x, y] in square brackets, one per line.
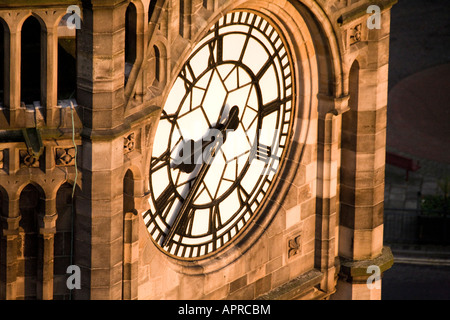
[44, 290]
[50, 66]
[141, 52]
[99, 228]
[10, 241]
[101, 65]
[330, 109]
[130, 256]
[362, 174]
[12, 97]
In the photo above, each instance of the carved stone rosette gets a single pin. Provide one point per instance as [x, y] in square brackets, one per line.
[65, 157]
[27, 160]
[129, 143]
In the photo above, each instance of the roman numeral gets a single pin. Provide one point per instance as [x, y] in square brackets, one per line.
[161, 161]
[273, 106]
[186, 223]
[187, 75]
[215, 220]
[266, 66]
[215, 50]
[242, 195]
[165, 200]
[270, 108]
[169, 117]
[244, 198]
[261, 152]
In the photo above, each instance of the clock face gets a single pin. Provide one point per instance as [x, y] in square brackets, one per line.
[221, 138]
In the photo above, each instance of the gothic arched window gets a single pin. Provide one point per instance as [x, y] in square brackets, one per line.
[31, 61]
[157, 63]
[130, 39]
[151, 9]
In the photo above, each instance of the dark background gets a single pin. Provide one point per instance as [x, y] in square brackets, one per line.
[420, 42]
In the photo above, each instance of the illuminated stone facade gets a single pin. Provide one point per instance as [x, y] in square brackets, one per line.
[86, 112]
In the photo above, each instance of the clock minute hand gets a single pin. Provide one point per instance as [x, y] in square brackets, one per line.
[187, 162]
[181, 219]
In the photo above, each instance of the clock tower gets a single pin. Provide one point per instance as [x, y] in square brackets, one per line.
[213, 149]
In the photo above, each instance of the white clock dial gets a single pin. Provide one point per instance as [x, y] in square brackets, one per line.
[237, 86]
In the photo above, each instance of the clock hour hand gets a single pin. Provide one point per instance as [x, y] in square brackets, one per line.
[232, 122]
[186, 163]
[181, 220]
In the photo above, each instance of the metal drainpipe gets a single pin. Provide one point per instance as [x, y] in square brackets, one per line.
[73, 190]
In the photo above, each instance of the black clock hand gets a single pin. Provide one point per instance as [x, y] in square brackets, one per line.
[187, 162]
[181, 219]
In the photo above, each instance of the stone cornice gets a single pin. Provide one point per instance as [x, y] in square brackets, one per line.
[361, 11]
[356, 270]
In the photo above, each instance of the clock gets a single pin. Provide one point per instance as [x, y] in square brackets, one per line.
[222, 137]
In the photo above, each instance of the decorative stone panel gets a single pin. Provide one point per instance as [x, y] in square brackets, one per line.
[65, 157]
[27, 160]
[355, 34]
[129, 143]
[294, 246]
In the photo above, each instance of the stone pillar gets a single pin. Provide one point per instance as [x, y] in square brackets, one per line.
[101, 65]
[44, 290]
[99, 229]
[141, 52]
[12, 96]
[6, 73]
[330, 109]
[186, 19]
[10, 241]
[135, 88]
[50, 66]
[362, 168]
[130, 256]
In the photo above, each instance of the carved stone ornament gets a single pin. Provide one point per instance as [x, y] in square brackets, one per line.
[1, 159]
[355, 34]
[65, 157]
[129, 143]
[294, 246]
[27, 159]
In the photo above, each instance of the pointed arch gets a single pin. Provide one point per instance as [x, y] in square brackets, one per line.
[130, 39]
[67, 59]
[349, 129]
[151, 9]
[4, 67]
[64, 238]
[128, 192]
[157, 63]
[157, 59]
[31, 207]
[33, 66]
